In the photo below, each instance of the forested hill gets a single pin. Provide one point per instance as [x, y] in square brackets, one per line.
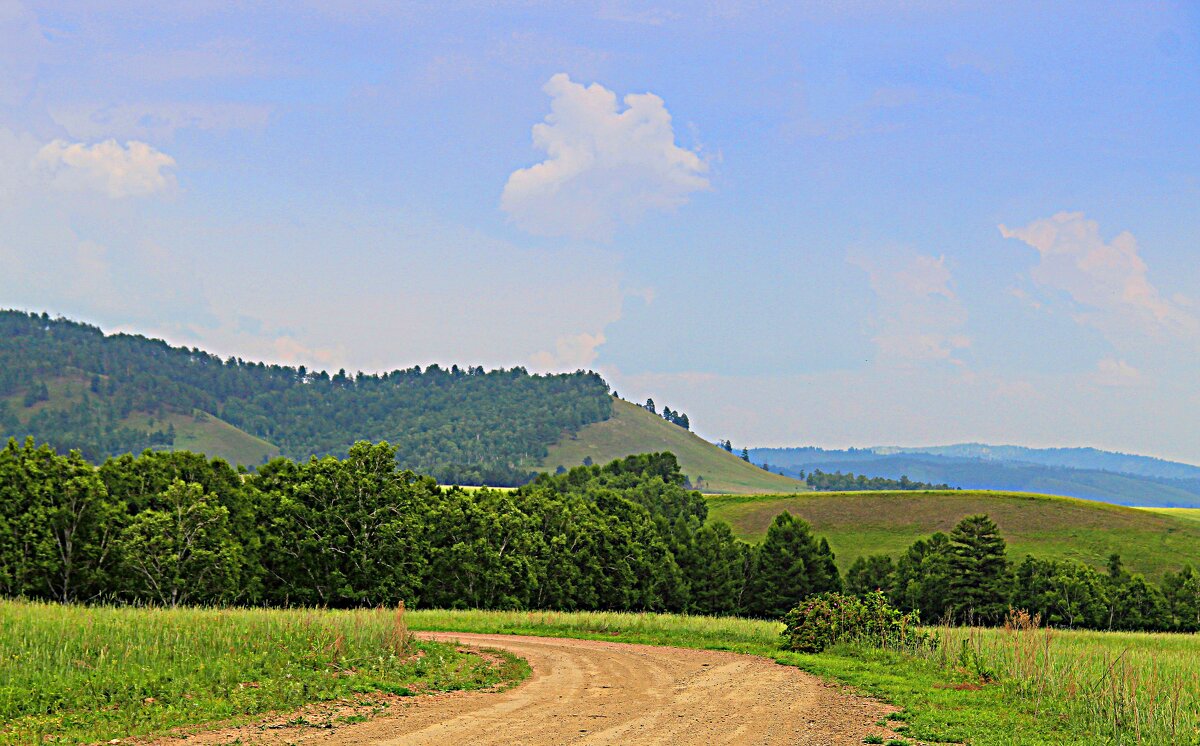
[70, 385]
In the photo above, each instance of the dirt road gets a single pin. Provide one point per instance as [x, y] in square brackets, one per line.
[586, 692]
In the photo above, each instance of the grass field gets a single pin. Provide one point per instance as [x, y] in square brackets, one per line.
[1187, 514]
[73, 674]
[859, 523]
[632, 429]
[1092, 687]
[92, 674]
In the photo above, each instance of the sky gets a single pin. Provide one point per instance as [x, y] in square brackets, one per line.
[878, 223]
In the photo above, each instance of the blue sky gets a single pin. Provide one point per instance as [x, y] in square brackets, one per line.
[889, 223]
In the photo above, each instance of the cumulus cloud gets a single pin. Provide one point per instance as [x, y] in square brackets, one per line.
[135, 169]
[1107, 282]
[919, 317]
[571, 352]
[606, 165]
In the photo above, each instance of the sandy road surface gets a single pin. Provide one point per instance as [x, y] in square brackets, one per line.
[587, 692]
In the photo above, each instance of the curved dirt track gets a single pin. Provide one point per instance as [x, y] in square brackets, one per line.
[588, 692]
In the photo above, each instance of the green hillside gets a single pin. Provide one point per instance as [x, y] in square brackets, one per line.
[631, 429]
[73, 386]
[861, 523]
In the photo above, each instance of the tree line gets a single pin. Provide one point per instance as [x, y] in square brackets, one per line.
[176, 528]
[839, 482]
[670, 415]
[461, 425]
[967, 576]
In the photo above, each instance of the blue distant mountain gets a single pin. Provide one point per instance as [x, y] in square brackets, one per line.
[1086, 473]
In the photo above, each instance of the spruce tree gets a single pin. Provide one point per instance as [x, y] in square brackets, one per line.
[789, 566]
[979, 581]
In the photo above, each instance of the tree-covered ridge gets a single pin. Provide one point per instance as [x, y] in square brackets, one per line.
[466, 425]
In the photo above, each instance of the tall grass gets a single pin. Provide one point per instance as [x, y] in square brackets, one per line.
[1129, 687]
[707, 632]
[77, 673]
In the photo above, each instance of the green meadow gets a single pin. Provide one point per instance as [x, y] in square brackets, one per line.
[79, 674]
[862, 523]
[86, 674]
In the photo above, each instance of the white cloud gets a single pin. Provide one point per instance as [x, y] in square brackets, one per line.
[133, 170]
[571, 352]
[1116, 373]
[919, 317]
[1108, 283]
[606, 166]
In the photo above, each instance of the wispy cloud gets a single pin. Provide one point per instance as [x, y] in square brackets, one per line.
[920, 317]
[1116, 373]
[1107, 281]
[157, 120]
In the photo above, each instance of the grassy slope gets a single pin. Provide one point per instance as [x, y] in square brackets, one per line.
[1186, 514]
[207, 434]
[859, 523]
[213, 437]
[632, 429]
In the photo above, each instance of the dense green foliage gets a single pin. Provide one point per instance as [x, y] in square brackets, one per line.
[839, 482]
[791, 565]
[73, 674]
[170, 528]
[467, 426]
[966, 576]
[829, 619]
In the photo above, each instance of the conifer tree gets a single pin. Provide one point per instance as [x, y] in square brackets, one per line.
[789, 566]
[979, 581]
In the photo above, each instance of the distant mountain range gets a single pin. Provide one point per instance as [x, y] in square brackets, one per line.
[1086, 473]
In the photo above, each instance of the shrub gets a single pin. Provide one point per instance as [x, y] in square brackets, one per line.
[831, 618]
